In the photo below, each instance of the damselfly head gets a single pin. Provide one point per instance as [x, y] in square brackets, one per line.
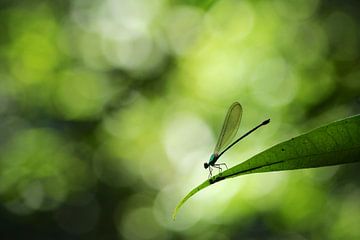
[206, 165]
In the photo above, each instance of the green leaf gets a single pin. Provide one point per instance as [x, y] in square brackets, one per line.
[333, 144]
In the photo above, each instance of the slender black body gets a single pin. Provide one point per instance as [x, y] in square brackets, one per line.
[214, 157]
[236, 141]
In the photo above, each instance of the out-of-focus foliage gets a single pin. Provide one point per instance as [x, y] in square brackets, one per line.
[109, 109]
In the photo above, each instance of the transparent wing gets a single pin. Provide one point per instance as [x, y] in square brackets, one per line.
[230, 126]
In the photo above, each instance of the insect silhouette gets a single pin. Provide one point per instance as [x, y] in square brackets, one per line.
[229, 129]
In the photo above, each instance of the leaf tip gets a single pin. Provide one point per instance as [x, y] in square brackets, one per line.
[176, 209]
[173, 217]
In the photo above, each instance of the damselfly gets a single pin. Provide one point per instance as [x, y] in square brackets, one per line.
[228, 132]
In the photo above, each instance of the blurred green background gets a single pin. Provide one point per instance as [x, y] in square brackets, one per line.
[110, 108]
